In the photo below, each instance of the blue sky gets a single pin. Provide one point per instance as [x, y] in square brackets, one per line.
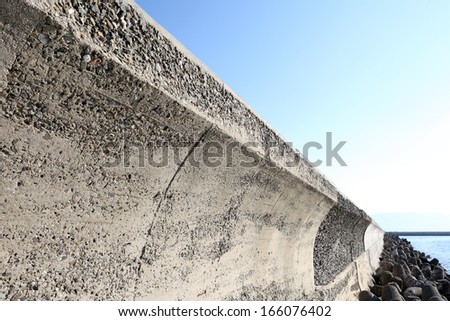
[374, 73]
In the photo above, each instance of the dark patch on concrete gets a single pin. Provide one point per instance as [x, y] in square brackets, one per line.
[333, 292]
[339, 241]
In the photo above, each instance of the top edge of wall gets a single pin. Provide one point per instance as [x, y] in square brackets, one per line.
[305, 172]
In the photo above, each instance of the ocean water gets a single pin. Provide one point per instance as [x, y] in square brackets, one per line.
[434, 246]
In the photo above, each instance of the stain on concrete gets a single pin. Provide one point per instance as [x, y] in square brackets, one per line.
[339, 241]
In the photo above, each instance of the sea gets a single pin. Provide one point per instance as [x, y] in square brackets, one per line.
[435, 246]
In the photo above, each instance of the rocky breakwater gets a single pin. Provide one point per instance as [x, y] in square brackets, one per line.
[405, 274]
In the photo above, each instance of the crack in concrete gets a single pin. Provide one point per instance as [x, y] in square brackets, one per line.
[164, 196]
[191, 150]
[276, 202]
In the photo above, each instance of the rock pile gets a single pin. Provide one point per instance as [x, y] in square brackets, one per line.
[405, 274]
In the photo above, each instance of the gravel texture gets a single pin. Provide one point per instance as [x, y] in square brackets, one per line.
[339, 241]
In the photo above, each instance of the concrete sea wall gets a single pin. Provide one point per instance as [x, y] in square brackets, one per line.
[130, 171]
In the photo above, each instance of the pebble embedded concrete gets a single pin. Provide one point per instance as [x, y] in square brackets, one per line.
[339, 241]
[93, 94]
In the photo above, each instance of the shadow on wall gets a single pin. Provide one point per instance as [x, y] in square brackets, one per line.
[339, 241]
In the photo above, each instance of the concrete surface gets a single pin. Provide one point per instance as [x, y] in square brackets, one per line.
[95, 97]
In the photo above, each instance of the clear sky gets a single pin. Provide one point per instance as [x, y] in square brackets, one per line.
[374, 73]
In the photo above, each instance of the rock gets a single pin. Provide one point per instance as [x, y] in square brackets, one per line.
[376, 290]
[44, 39]
[426, 270]
[365, 296]
[405, 267]
[391, 293]
[69, 37]
[399, 282]
[386, 265]
[377, 275]
[398, 270]
[443, 286]
[410, 281]
[415, 291]
[94, 8]
[438, 273]
[81, 11]
[417, 273]
[87, 58]
[24, 94]
[429, 291]
[401, 267]
[396, 285]
[413, 260]
[386, 277]
[377, 279]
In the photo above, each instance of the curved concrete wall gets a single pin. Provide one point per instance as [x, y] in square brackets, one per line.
[373, 246]
[339, 241]
[130, 171]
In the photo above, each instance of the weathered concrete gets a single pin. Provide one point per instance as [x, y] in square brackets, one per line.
[91, 94]
[340, 240]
